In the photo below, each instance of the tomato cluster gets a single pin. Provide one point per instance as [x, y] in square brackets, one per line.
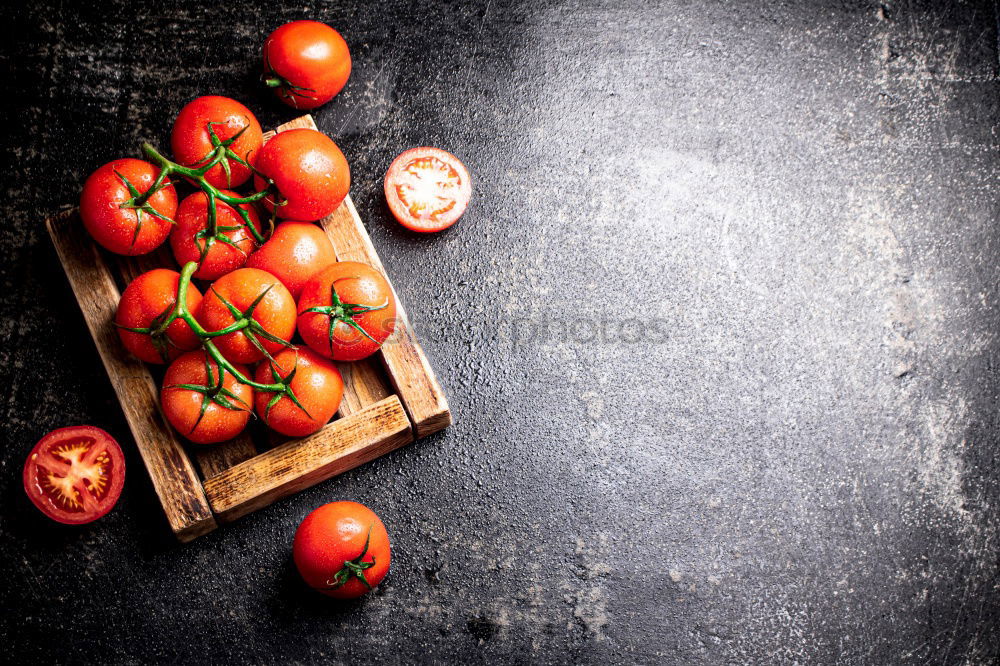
[231, 344]
[268, 274]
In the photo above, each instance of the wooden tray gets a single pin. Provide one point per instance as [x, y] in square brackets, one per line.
[389, 399]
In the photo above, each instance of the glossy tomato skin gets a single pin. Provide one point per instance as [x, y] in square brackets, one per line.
[355, 283]
[295, 252]
[75, 475]
[221, 258]
[191, 141]
[114, 227]
[275, 312]
[333, 534]
[317, 385]
[427, 189]
[183, 406]
[310, 172]
[150, 296]
[312, 57]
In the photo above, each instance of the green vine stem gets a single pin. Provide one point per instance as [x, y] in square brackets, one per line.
[220, 153]
[243, 320]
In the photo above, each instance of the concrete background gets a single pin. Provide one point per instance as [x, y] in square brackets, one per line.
[720, 333]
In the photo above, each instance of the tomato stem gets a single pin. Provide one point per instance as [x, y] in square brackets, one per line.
[355, 567]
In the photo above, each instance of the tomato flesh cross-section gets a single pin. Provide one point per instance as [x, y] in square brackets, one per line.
[427, 189]
[75, 475]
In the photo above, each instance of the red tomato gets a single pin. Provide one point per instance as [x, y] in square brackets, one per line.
[317, 386]
[146, 303]
[204, 416]
[346, 311]
[215, 257]
[273, 318]
[427, 189]
[191, 140]
[310, 172]
[342, 550]
[307, 63]
[294, 253]
[75, 475]
[108, 216]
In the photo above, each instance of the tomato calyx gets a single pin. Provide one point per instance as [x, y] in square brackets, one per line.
[355, 568]
[139, 202]
[251, 327]
[213, 390]
[157, 332]
[289, 90]
[287, 383]
[345, 312]
[222, 147]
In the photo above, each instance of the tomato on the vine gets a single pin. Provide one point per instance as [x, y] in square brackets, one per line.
[145, 304]
[222, 254]
[75, 475]
[271, 309]
[317, 386]
[346, 311]
[295, 252]
[307, 63]
[310, 172]
[191, 139]
[198, 405]
[113, 214]
[342, 550]
[427, 189]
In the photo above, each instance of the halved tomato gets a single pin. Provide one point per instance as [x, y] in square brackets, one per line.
[427, 189]
[75, 475]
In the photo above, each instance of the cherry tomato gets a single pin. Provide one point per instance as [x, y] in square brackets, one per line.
[205, 416]
[294, 253]
[146, 302]
[310, 172]
[427, 189]
[273, 317]
[346, 311]
[191, 140]
[307, 63]
[317, 386]
[107, 213]
[215, 257]
[75, 475]
[342, 550]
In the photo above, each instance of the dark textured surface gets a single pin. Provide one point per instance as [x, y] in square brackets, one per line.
[720, 333]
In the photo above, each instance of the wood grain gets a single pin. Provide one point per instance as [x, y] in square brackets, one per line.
[405, 363]
[174, 477]
[341, 445]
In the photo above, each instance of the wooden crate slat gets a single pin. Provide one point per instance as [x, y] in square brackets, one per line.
[216, 458]
[174, 477]
[404, 360]
[367, 386]
[340, 446]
